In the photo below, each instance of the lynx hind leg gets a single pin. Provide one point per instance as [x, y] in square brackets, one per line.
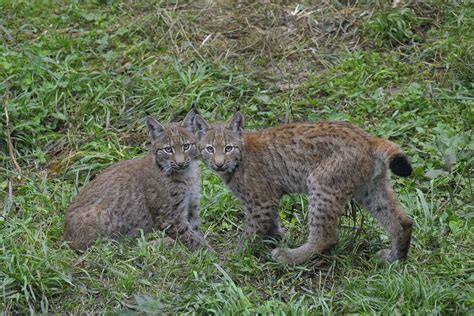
[82, 237]
[82, 228]
[261, 221]
[380, 200]
[325, 207]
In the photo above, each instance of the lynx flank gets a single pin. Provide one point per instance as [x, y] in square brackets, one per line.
[332, 162]
[158, 192]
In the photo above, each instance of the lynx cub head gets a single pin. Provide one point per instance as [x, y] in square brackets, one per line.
[173, 145]
[221, 146]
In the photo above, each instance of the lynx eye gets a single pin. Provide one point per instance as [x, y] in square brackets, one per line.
[168, 150]
[210, 149]
[186, 146]
[228, 148]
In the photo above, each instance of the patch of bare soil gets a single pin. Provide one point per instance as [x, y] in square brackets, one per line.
[279, 42]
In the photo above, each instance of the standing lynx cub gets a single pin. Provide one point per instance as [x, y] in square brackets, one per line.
[160, 191]
[330, 161]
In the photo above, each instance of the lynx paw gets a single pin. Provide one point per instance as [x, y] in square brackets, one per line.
[165, 242]
[282, 255]
[386, 255]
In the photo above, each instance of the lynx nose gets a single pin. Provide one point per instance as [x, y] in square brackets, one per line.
[179, 160]
[219, 161]
[181, 164]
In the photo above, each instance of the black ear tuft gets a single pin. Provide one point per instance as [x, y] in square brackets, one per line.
[400, 166]
[154, 127]
[237, 123]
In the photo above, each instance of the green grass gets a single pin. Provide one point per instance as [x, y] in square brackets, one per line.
[78, 79]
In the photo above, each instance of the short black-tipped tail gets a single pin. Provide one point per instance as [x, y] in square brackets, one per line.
[400, 166]
[393, 156]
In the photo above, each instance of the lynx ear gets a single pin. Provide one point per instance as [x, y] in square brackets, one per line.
[237, 123]
[188, 122]
[201, 126]
[154, 128]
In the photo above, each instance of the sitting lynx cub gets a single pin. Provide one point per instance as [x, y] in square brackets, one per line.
[330, 161]
[160, 191]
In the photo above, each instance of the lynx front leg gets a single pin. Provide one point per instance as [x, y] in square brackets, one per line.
[192, 214]
[193, 222]
[325, 207]
[183, 231]
[178, 226]
[261, 220]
